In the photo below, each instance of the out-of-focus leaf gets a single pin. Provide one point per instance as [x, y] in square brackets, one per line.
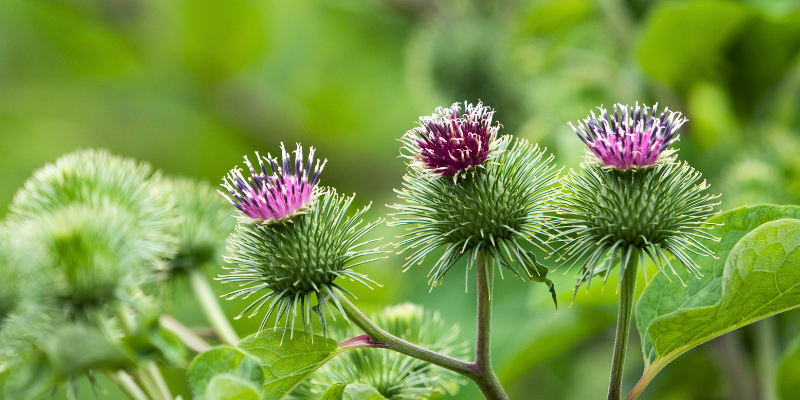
[335, 392]
[358, 391]
[788, 372]
[760, 58]
[757, 274]
[686, 41]
[286, 360]
[222, 37]
[556, 16]
[231, 387]
[221, 360]
[31, 380]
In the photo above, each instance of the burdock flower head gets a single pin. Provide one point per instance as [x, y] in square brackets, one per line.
[495, 208]
[631, 137]
[287, 260]
[266, 198]
[450, 143]
[632, 198]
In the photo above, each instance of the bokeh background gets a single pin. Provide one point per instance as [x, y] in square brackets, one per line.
[193, 85]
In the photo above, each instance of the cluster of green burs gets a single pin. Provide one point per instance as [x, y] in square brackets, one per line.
[86, 250]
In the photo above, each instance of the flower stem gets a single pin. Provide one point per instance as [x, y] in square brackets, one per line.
[211, 308]
[489, 384]
[126, 383]
[480, 371]
[189, 338]
[391, 342]
[627, 289]
[153, 381]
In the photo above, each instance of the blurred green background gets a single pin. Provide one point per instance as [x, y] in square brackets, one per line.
[193, 85]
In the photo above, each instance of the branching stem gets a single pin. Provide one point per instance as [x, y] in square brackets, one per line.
[479, 371]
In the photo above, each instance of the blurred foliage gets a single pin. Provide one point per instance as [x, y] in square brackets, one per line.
[191, 86]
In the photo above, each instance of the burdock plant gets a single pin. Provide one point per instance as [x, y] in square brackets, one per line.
[293, 240]
[631, 198]
[471, 192]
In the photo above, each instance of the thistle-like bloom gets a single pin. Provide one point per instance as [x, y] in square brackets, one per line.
[627, 211]
[266, 198]
[285, 263]
[631, 137]
[494, 209]
[449, 143]
[394, 375]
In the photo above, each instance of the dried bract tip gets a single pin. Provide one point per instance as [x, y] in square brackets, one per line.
[279, 195]
[449, 143]
[633, 137]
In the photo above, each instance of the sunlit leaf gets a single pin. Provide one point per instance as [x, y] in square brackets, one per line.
[231, 387]
[757, 274]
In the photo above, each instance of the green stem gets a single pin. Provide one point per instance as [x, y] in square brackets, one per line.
[489, 384]
[153, 381]
[767, 357]
[391, 342]
[480, 371]
[627, 290]
[126, 383]
[208, 302]
[189, 338]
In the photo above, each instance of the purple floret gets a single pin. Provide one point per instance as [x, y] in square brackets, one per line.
[449, 142]
[630, 138]
[266, 198]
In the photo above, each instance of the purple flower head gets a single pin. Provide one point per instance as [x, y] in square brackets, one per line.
[266, 198]
[632, 137]
[450, 142]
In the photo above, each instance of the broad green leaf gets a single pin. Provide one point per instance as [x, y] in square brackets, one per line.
[286, 360]
[757, 274]
[231, 387]
[787, 372]
[335, 392]
[221, 360]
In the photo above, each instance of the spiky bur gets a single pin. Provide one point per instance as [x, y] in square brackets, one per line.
[450, 142]
[496, 209]
[96, 224]
[632, 137]
[204, 223]
[610, 215]
[393, 375]
[284, 263]
[277, 196]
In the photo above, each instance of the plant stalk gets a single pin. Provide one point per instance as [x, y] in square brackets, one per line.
[211, 308]
[489, 384]
[626, 303]
[153, 381]
[480, 371]
[126, 383]
[189, 338]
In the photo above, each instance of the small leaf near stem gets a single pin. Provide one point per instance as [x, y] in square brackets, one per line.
[211, 308]
[626, 293]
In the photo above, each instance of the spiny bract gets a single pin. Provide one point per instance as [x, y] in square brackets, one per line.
[493, 209]
[633, 213]
[290, 260]
[393, 375]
